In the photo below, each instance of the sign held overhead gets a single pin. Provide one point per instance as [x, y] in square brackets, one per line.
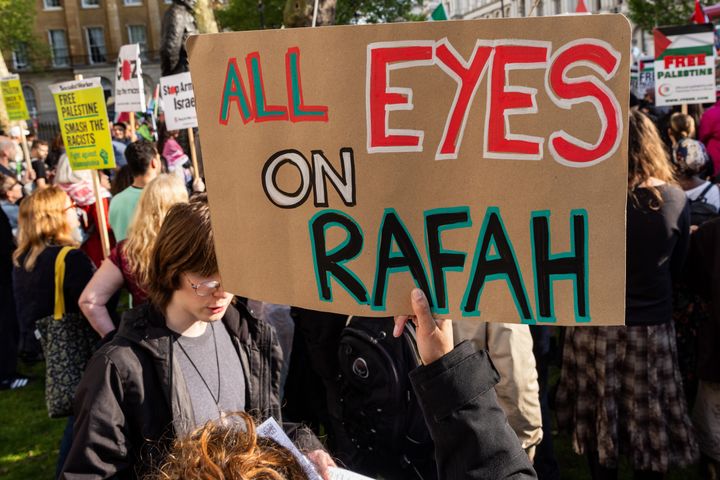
[482, 161]
[129, 86]
[178, 101]
[84, 123]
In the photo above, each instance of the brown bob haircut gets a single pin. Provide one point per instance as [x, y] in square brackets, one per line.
[185, 244]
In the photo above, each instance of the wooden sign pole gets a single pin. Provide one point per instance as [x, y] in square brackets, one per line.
[25, 148]
[193, 153]
[132, 125]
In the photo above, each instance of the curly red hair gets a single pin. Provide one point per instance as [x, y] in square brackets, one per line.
[228, 449]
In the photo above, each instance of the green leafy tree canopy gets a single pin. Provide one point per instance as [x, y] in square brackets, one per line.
[16, 29]
[648, 14]
[245, 14]
[251, 14]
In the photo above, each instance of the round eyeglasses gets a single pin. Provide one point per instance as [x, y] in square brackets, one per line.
[204, 289]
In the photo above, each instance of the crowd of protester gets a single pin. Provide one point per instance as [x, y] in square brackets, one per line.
[166, 391]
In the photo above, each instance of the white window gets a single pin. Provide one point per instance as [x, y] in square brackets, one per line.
[30, 100]
[59, 48]
[20, 57]
[52, 4]
[138, 34]
[107, 87]
[90, 3]
[95, 37]
[132, 3]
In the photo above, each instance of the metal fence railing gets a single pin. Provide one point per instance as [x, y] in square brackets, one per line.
[75, 61]
[47, 130]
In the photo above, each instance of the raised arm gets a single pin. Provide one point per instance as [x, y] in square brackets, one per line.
[103, 285]
[455, 389]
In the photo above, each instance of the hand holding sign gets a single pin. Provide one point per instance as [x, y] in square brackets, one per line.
[434, 336]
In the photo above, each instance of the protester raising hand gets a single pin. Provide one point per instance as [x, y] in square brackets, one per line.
[455, 390]
[434, 336]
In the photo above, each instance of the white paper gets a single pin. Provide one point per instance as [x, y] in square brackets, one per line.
[340, 474]
[270, 429]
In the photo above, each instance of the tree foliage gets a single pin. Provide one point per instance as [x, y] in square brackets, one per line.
[16, 29]
[648, 14]
[251, 14]
[244, 14]
[378, 11]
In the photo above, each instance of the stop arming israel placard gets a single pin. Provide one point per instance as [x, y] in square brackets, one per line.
[129, 87]
[178, 101]
[484, 161]
[684, 64]
[13, 97]
[84, 123]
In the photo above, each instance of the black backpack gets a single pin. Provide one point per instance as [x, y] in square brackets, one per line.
[379, 411]
[700, 210]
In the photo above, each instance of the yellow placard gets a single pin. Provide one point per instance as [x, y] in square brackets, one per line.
[84, 124]
[13, 98]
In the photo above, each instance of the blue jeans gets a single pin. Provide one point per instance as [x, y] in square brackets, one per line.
[65, 444]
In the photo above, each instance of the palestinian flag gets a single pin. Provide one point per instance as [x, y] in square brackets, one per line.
[684, 40]
[439, 13]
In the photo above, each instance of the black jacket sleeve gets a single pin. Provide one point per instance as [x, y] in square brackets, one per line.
[473, 439]
[100, 443]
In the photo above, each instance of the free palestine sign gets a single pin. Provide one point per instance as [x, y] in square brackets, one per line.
[484, 161]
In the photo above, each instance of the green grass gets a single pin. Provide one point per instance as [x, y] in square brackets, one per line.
[574, 467]
[29, 440]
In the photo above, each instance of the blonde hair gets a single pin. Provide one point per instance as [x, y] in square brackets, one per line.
[682, 126]
[647, 157]
[42, 221]
[155, 201]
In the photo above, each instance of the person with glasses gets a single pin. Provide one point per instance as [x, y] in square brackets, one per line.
[183, 358]
[48, 221]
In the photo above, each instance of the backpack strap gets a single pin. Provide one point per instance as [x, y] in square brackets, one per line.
[701, 197]
[60, 282]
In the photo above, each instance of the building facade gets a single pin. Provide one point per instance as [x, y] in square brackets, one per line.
[83, 38]
[469, 9]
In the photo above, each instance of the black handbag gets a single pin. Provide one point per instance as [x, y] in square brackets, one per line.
[68, 342]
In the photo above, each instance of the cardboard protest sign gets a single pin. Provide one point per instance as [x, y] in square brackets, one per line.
[684, 64]
[13, 97]
[178, 101]
[484, 161]
[129, 87]
[84, 123]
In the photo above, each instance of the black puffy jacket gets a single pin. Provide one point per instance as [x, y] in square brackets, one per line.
[473, 440]
[133, 401]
